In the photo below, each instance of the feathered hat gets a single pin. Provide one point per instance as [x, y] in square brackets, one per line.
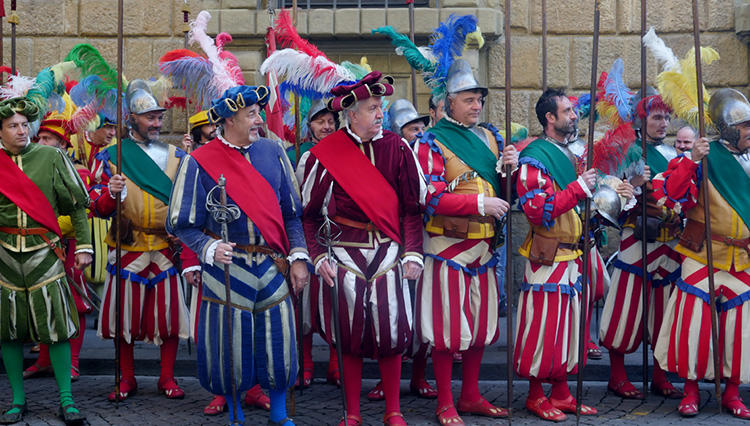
[236, 98]
[372, 85]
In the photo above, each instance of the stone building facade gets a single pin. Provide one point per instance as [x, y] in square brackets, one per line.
[48, 29]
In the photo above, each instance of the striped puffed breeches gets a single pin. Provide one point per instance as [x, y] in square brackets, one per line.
[548, 318]
[684, 345]
[457, 300]
[152, 300]
[35, 300]
[621, 324]
[374, 306]
[263, 328]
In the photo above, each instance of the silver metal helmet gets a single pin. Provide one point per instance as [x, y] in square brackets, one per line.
[728, 108]
[460, 78]
[650, 91]
[139, 98]
[315, 108]
[607, 203]
[402, 112]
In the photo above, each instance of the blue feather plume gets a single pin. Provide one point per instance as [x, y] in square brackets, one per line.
[448, 41]
[88, 90]
[617, 92]
[193, 74]
[583, 106]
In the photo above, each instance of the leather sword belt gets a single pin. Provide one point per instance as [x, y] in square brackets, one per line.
[42, 232]
[281, 262]
[743, 243]
[570, 246]
[367, 226]
[159, 232]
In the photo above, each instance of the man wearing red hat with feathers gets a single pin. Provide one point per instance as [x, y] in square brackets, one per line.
[367, 181]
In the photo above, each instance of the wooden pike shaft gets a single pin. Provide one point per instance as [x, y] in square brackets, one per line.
[582, 339]
[413, 71]
[118, 204]
[296, 97]
[13, 37]
[186, 30]
[508, 220]
[644, 246]
[707, 209]
[544, 45]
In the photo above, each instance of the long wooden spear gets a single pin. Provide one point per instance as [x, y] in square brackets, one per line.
[118, 206]
[13, 20]
[544, 45]
[296, 96]
[508, 221]
[582, 339]
[706, 208]
[2, 15]
[413, 71]
[298, 299]
[645, 284]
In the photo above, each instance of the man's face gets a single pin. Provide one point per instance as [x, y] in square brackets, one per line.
[15, 132]
[565, 121]
[208, 132]
[466, 107]
[744, 142]
[103, 135]
[322, 126]
[437, 113]
[684, 140]
[367, 120]
[50, 139]
[148, 125]
[656, 125]
[411, 130]
[246, 123]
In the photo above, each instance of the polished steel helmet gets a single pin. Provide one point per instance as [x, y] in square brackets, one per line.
[607, 202]
[401, 113]
[650, 91]
[728, 108]
[461, 78]
[139, 98]
[316, 107]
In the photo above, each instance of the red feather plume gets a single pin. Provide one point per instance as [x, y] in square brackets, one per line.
[287, 36]
[611, 149]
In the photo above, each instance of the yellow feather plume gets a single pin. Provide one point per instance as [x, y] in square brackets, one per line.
[608, 111]
[475, 37]
[363, 63]
[679, 88]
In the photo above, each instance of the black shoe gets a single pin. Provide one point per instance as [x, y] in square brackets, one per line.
[503, 309]
[71, 417]
[10, 418]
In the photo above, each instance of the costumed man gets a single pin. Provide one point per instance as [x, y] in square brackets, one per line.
[201, 131]
[546, 342]
[406, 122]
[684, 139]
[53, 132]
[366, 180]
[320, 123]
[152, 305]
[684, 345]
[457, 298]
[264, 237]
[437, 109]
[98, 137]
[621, 324]
[37, 184]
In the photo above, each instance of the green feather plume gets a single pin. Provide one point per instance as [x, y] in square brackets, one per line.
[90, 62]
[409, 50]
[40, 92]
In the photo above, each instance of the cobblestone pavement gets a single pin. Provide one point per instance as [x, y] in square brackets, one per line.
[320, 405]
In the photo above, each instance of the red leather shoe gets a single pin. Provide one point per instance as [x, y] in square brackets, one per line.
[170, 388]
[735, 406]
[689, 405]
[447, 415]
[351, 420]
[256, 398]
[481, 408]
[569, 406]
[394, 418]
[217, 406]
[376, 393]
[543, 409]
[35, 370]
[423, 390]
[626, 390]
[128, 388]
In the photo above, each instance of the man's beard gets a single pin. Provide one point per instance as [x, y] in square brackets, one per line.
[253, 137]
[144, 135]
[567, 130]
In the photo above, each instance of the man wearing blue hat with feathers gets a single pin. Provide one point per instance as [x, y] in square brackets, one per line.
[264, 239]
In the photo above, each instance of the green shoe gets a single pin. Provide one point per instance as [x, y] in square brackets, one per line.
[8, 418]
[70, 415]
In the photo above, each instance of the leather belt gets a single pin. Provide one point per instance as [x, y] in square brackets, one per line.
[281, 262]
[159, 232]
[367, 226]
[569, 246]
[743, 243]
[42, 232]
